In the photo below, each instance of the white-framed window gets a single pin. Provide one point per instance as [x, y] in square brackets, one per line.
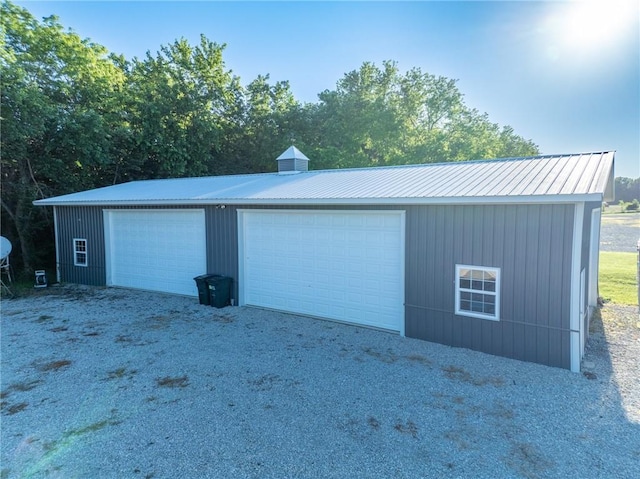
[80, 252]
[478, 291]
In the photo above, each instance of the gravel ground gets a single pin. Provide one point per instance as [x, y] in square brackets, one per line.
[620, 232]
[108, 383]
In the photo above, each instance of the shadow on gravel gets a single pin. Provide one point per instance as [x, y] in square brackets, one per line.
[612, 350]
[109, 383]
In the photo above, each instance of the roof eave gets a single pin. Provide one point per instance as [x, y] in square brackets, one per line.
[459, 200]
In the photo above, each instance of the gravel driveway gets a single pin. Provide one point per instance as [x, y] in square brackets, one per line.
[108, 383]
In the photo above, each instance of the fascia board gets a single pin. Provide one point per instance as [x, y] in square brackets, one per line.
[456, 200]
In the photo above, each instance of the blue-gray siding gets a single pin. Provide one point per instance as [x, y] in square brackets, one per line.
[81, 222]
[531, 244]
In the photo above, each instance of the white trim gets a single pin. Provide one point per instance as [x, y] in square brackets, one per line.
[403, 248]
[574, 309]
[454, 200]
[108, 247]
[57, 242]
[594, 256]
[85, 252]
[241, 248]
[109, 217]
[241, 221]
[496, 293]
[583, 310]
[574, 337]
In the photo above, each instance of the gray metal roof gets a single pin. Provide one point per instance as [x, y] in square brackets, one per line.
[550, 178]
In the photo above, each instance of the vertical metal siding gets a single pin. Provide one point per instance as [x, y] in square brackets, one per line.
[543, 270]
[529, 243]
[222, 243]
[81, 222]
[565, 319]
[559, 261]
[86, 222]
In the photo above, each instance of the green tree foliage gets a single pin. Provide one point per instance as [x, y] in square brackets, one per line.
[75, 117]
[56, 132]
[263, 127]
[359, 121]
[181, 103]
[627, 189]
[378, 116]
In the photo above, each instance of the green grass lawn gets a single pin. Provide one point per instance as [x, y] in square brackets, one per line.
[618, 277]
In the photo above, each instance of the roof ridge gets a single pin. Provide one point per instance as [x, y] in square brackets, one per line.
[508, 178]
[371, 168]
[462, 162]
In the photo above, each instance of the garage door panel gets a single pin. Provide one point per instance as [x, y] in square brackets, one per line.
[158, 250]
[341, 265]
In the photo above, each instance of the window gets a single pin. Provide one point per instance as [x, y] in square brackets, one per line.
[478, 291]
[80, 252]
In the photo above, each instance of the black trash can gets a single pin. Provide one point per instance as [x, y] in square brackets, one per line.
[203, 288]
[219, 290]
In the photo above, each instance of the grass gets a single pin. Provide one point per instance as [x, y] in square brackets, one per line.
[618, 277]
[618, 209]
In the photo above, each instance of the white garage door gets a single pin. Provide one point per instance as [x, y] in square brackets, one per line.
[347, 266]
[158, 250]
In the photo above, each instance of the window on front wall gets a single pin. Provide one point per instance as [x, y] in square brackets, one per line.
[80, 252]
[478, 291]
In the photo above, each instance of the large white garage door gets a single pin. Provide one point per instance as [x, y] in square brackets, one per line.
[158, 250]
[347, 266]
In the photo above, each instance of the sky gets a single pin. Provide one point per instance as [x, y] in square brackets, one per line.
[563, 74]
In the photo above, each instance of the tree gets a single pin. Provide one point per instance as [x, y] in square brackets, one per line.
[75, 117]
[627, 189]
[56, 133]
[359, 121]
[182, 101]
[377, 116]
[268, 122]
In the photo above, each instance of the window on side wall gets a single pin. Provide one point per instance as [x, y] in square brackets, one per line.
[478, 291]
[80, 252]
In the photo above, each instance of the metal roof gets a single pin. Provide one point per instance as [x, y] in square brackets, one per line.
[292, 153]
[549, 178]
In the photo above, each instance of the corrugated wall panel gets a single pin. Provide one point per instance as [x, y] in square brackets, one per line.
[543, 270]
[497, 250]
[508, 255]
[222, 243]
[86, 222]
[530, 243]
[82, 222]
[532, 283]
[535, 282]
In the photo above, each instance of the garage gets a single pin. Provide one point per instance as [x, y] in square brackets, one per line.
[388, 247]
[158, 250]
[342, 265]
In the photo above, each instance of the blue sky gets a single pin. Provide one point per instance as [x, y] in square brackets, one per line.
[566, 75]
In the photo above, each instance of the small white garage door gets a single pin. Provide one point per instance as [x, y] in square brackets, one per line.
[343, 265]
[157, 250]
